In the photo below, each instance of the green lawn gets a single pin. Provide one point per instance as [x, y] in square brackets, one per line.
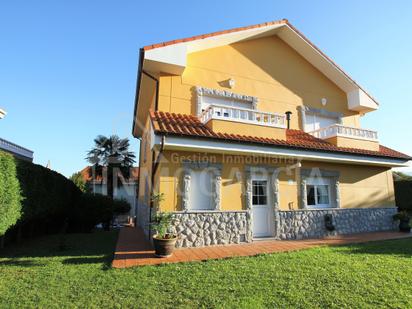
[36, 274]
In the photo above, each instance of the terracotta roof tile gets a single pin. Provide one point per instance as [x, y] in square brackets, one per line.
[203, 36]
[191, 126]
[87, 175]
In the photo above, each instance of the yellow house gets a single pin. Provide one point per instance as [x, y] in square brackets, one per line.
[254, 132]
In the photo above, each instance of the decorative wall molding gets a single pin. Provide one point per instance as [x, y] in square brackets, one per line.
[214, 168]
[186, 191]
[313, 173]
[217, 93]
[303, 198]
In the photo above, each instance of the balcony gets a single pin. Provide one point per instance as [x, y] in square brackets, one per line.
[16, 150]
[350, 137]
[344, 131]
[243, 115]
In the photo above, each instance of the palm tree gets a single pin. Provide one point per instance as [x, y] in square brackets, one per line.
[111, 152]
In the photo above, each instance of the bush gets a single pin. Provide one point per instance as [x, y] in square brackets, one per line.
[90, 211]
[49, 197]
[10, 197]
[94, 209]
[403, 194]
[121, 207]
[78, 180]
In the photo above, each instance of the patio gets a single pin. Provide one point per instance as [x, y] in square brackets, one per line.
[133, 249]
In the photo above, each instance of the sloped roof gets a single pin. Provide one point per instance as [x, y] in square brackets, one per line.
[96, 177]
[171, 57]
[191, 126]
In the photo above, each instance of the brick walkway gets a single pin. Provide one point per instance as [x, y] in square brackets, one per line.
[133, 249]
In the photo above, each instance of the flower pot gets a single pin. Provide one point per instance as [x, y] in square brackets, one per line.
[404, 226]
[164, 247]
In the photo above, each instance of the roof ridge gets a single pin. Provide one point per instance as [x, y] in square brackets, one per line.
[215, 33]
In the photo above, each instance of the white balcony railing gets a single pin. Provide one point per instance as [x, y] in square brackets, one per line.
[243, 115]
[16, 149]
[345, 131]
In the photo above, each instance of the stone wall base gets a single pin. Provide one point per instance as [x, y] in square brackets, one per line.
[197, 229]
[311, 223]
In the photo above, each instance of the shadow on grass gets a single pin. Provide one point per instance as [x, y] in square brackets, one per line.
[20, 263]
[97, 247]
[398, 247]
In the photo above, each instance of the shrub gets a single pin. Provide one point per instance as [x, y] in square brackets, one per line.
[90, 211]
[10, 196]
[78, 180]
[121, 207]
[94, 209]
[403, 194]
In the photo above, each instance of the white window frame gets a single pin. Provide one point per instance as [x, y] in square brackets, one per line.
[315, 185]
[224, 97]
[304, 110]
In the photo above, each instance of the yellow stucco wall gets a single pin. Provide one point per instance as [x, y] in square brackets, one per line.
[353, 143]
[266, 68]
[231, 127]
[360, 186]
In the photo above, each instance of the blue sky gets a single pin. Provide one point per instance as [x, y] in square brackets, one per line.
[68, 68]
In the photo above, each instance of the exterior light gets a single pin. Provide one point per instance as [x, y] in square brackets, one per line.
[324, 101]
[2, 113]
[231, 83]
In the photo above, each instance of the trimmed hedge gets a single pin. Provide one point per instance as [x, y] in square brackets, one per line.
[10, 197]
[48, 195]
[403, 194]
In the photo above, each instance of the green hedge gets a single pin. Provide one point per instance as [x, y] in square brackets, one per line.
[48, 195]
[10, 197]
[403, 194]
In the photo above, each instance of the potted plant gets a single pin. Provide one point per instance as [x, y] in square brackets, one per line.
[404, 219]
[163, 241]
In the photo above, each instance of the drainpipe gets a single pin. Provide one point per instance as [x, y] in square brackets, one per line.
[288, 113]
[157, 88]
[155, 167]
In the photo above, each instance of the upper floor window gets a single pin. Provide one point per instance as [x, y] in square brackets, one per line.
[230, 102]
[314, 118]
[207, 97]
[315, 122]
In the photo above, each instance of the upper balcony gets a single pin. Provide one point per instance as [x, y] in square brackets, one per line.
[345, 131]
[243, 115]
[249, 121]
[345, 136]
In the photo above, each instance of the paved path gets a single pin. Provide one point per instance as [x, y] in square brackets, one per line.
[133, 249]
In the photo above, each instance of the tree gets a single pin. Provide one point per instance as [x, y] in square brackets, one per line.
[111, 152]
[78, 180]
[399, 176]
[10, 195]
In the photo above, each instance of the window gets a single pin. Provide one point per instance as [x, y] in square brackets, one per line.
[318, 195]
[230, 102]
[259, 192]
[314, 122]
[200, 190]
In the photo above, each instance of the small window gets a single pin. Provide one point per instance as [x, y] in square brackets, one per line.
[259, 192]
[318, 195]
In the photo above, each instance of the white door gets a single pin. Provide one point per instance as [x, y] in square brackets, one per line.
[261, 210]
[314, 122]
[200, 190]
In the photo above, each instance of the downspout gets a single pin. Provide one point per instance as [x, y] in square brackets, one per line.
[155, 167]
[157, 89]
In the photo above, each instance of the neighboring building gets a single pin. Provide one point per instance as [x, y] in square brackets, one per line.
[16, 150]
[125, 189]
[216, 139]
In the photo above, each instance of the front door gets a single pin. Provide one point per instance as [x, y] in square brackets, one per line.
[261, 210]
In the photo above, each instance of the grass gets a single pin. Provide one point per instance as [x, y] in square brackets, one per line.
[36, 274]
